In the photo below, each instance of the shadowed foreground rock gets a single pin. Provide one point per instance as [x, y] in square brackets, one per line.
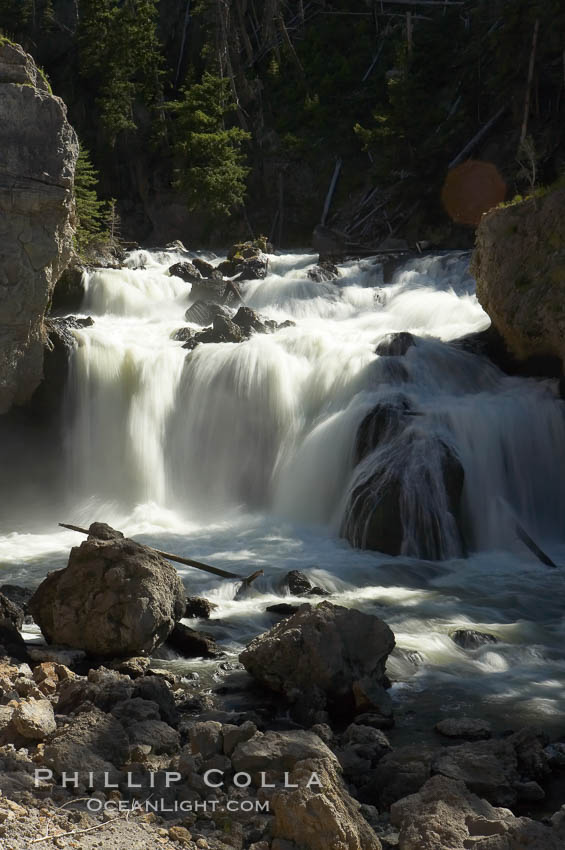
[324, 658]
[115, 597]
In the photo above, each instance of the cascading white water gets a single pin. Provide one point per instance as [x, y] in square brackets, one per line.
[244, 453]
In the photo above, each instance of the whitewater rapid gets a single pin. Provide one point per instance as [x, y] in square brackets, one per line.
[241, 455]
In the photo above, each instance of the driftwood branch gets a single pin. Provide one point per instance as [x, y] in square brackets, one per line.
[530, 81]
[189, 562]
[533, 546]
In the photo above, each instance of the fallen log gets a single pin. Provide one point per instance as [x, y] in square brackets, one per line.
[189, 562]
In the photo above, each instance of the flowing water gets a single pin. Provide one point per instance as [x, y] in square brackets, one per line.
[241, 455]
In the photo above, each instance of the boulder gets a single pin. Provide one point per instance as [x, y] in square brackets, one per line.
[161, 737]
[39, 153]
[206, 269]
[249, 321]
[385, 421]
[90, 742]
[397, 774]
[192, 643]
[183, 335]
[156, 690]
[520, 273]
[20, 596]
[283, 609]
[410, 506]
[186, 270]
[320, 816]
[325, 270]
[319, 657]
[115, 598]
[34, 719]
[471, 639]
[11, 615]
[234, 735]
[468, 728]
[445, 815]
[278, 752]
[395, 345]
[297, 583]
[204, 312]
[206, 738]
[198, 608]
[222, 330]
[488, 768]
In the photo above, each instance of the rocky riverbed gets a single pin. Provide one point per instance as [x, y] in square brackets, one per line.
[118, 752]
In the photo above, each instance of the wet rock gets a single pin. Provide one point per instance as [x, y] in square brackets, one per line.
[382, 423]
[471, 639]
[467, 728]
[395, 345]
[296, 583]
[318, 657]
[283, 609]
[206, 269]
[60, 342]
[375, 514]
[183, 335]
[325, 270]
[192, 643]
[249, 321]
[318, 817]
[34, 719]
[186, 270]
[222, 330]
[115, 597]
[252, 269]
[488, 768]
[204, 312]
[445, 815]
[529, 746]
[198, 607]
[90, 742]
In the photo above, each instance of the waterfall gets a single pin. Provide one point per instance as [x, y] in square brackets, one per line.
[270, 424]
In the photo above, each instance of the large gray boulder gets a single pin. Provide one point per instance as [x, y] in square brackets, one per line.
[320, 816]
[445, 815]
[325, 657]
[114, 598]
[38, 153]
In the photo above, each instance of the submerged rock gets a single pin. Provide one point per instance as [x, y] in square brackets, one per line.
[322, 658]
[468, 728]
[471, 639]
[384, 421]
[395, 345]
[390, 510]
[115, 597]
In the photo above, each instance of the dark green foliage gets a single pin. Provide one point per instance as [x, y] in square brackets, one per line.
[90, 209]
[212, 174]
[121, 57]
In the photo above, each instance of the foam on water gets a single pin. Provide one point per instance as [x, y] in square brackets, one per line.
[241, 455]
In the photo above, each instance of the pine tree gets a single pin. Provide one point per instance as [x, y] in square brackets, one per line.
[212, 176]
[90, 209]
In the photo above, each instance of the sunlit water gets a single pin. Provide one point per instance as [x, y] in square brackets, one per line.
[241, 456]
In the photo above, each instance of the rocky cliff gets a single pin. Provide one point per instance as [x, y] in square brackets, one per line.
[38, 152]
[519, 265]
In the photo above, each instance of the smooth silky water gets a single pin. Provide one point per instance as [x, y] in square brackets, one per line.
[241, 456]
